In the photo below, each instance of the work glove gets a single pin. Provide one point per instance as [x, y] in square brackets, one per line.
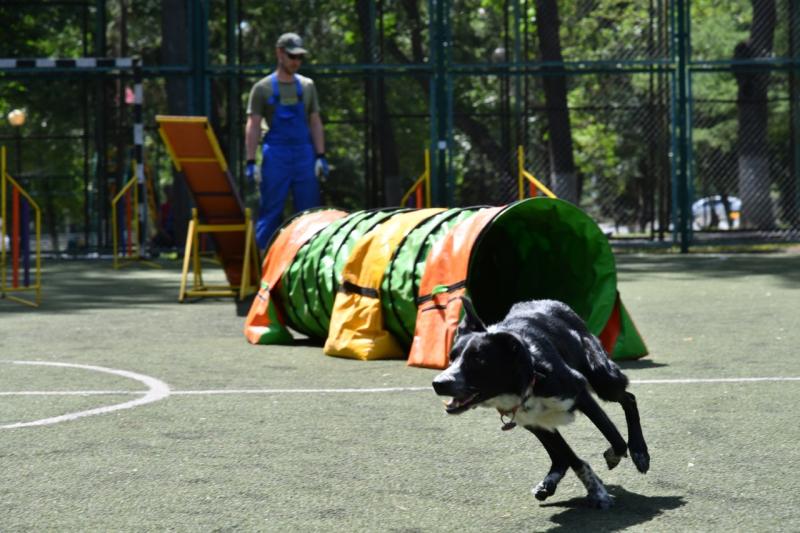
[321, 167]
[252, 172]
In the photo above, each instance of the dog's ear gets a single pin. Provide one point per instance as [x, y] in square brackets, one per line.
[521, 359]
[471, 321]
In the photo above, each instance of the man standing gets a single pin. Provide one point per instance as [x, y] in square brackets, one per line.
[293, 153]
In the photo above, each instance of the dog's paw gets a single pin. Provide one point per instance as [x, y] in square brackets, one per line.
[641, 460]
[548, 485]
[612, 459]
[544, 490]
[600, 500]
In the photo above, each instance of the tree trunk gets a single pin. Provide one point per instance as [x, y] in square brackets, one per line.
[753, 157]
[174, 51]
[562, 163]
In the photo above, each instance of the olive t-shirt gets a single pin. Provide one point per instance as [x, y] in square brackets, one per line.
[262, 92]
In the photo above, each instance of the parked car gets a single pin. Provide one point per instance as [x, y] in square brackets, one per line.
[710, 213]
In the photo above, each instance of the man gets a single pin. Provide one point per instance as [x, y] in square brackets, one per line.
[293, 153]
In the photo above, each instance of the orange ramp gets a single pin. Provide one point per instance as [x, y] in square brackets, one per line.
[195, 152]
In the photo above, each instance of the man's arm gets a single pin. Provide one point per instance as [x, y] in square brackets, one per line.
[252, 135]
[317, 132]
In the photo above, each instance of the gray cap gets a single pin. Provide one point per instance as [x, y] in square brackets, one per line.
[292, 43]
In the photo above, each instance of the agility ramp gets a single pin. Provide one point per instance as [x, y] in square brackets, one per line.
[195, 152]
[387, 283]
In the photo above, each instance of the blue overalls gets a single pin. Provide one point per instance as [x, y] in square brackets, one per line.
[287, 160]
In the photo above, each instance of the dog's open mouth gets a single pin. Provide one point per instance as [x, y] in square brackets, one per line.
[459, 405]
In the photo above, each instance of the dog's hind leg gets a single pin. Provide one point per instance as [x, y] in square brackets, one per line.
[598, 495]
[562, 457]
[619, 448]
[636, 443]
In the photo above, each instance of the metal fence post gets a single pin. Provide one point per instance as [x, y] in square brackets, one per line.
[681, 138]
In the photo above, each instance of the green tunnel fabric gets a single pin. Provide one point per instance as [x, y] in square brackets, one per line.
[630, 344]
[308, 287]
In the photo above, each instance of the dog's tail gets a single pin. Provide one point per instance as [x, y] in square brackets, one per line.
[603, 374]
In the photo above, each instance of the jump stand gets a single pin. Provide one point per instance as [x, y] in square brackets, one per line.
[125, 226]
[19, 241]
[191, 259]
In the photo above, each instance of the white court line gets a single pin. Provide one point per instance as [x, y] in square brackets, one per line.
[71, 393]
[708, 380]
[157, 390]
[218, 392]
[299, 391]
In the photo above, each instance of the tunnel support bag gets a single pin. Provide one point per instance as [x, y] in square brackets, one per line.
[266, 322]
[357, 328]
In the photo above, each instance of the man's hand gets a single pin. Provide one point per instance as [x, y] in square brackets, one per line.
[252, 172]
[321, 166]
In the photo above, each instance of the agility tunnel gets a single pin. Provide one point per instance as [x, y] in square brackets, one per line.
[387, 283]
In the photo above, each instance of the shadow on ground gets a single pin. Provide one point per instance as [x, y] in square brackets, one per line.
[629, 509]
[640, 364]
[80, 285]
[784, 266]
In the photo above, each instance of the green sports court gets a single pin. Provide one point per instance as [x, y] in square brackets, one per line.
[283, 438]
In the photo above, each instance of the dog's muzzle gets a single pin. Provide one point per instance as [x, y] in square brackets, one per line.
[449, 384]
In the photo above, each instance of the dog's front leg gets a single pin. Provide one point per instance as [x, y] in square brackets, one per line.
[559, 462]
[619, 448]
[562, 456]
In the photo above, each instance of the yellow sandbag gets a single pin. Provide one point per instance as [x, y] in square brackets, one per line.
[356, 330]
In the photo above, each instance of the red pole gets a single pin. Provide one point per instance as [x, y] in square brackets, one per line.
[14, 237]
[420, 200]
[534, 190]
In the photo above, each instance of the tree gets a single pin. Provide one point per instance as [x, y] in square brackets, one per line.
[562, 162]
[174, 51]
[753, 156]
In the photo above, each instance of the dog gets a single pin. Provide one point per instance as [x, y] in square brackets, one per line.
[537, 367]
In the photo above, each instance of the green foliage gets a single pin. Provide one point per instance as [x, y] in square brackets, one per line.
[616, 119]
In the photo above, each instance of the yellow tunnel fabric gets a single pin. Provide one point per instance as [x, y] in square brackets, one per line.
[356, 330]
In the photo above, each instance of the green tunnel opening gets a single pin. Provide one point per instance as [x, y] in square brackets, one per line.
[543, 249]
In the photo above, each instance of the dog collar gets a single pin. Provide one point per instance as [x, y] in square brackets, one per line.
[510, 424]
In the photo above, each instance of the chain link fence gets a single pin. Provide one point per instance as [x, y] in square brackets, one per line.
[593, 105]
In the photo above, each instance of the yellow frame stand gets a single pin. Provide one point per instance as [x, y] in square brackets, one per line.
[191, 260]
[119, 260]
[5, 290]
[424, 179]
[525, 175]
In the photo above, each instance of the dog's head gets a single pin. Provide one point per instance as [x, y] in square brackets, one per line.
[484, 363]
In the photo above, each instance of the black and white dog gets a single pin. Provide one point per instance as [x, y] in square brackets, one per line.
[537, 367]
